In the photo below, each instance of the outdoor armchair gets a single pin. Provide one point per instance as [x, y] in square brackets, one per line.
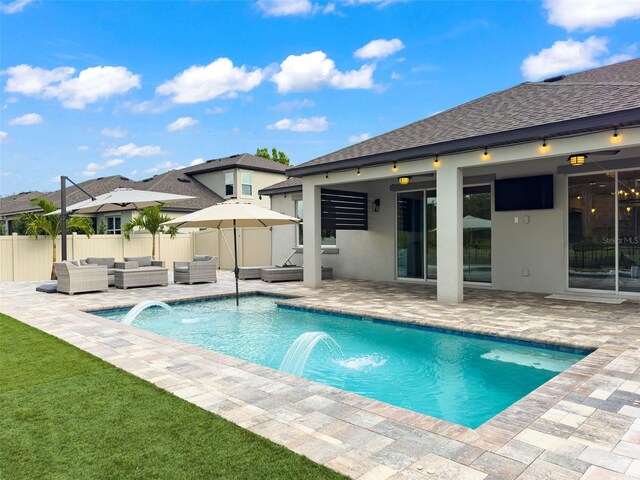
[85, 278]
[201, 269]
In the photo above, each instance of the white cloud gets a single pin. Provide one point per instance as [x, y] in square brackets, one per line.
[14, 7]
[148, 106]
[313, 124]
[83, 148]
[92, 168]
[564, 56]
[4, 136]
[590, 14]
[133, 172]
[293, 105]
[282, 8]
[396, 76]
[91, 85]
[114, 132]
[196, 161]
[27, 119]
[219, 78]
[358, 138]
[214, 110]
[162, 166]
[379, 48]
[181, 123]
[55, 179]
[311, 71]
[32, 81]
[132, 150]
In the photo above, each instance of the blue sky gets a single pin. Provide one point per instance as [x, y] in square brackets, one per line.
[97, 88]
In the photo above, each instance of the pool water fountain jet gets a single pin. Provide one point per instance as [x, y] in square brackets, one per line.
[135, 311]
[296, 357]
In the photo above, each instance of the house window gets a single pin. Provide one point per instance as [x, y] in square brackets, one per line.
[228, 184]
[113, 226]
[328, 236]
[247, 188]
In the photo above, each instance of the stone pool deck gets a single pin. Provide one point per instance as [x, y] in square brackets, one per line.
[585, 423]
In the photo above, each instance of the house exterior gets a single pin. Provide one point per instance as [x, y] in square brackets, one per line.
[532, 189]
[210, 182]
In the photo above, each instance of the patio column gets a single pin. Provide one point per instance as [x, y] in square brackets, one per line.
[311, 235]
[449, 228]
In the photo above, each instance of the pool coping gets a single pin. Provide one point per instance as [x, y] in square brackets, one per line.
[291, 423]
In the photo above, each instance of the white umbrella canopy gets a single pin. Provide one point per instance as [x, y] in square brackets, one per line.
[121, 198]
[233, 214]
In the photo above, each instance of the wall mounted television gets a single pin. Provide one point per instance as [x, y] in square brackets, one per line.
[524, 193]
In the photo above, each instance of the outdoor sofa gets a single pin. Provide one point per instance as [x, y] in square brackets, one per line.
[76, 278]
[287, 274]
[133, 271]
[202, 269]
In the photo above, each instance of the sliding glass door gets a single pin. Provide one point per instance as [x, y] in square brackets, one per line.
[476, 236]
[604, 231]
[410, 235]
[629, 231]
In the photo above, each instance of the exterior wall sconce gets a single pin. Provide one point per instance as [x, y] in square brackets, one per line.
[375, 206]
[578, 159]
[404, 180]
[485, 155]
[616, 138]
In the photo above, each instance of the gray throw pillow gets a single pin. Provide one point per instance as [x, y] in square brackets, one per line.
[142, 261]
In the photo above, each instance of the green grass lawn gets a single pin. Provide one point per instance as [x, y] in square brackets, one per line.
[65, 414]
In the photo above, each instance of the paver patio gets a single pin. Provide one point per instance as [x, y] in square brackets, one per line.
[585, 423]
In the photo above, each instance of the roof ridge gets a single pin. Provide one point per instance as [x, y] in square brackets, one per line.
[564, 83]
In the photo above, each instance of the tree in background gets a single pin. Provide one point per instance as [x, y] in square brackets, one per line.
[275, 155]
[49, 225]
[151, 220]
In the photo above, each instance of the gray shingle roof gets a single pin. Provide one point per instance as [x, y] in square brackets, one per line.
[18, 202]
[243, 160]
[292, 184]
[173, 181]
[613, 88]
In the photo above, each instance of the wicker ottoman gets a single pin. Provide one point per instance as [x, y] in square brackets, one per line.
[140, 277]
[251, 273]
[290, 274]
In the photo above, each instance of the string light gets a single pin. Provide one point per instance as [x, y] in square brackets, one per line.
[358, 172]
[326, 175]
[436, 162]
[485, 155]
[544, 148]
[616, 138]
[394, 169]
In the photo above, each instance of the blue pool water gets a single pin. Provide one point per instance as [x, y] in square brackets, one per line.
[459, 378]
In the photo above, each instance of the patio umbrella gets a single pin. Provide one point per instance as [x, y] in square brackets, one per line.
[233, 213]
[121, 198]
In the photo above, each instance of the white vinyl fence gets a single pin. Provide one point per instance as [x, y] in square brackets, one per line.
[27, 258]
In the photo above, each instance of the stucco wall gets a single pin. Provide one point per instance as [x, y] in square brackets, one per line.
[538, 246]
[215, 181]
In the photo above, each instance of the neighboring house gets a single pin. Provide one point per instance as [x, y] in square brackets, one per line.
[534, 189]
[240, 176]
[210, 182]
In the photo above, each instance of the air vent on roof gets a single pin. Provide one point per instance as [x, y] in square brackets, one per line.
[553, 79]
[234, 156]
[184, 180]
[124, 178]
[147, 179]
[99, 178]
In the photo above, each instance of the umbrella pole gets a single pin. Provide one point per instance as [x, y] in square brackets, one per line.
[235, 256]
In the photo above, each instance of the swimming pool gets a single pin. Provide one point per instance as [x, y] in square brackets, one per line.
[463, 379]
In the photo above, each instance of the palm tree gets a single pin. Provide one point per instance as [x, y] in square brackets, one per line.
[150, 219]
[49, 225]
